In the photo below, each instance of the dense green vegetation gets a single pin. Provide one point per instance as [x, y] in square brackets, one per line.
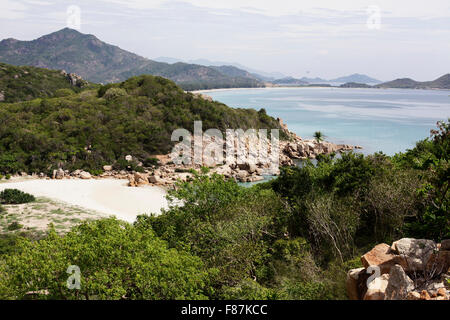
[98, 127]
[292, 238]
[27, 83]
[14, 196]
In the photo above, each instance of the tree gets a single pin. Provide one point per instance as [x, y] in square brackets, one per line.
[318, 135]
[116, 261]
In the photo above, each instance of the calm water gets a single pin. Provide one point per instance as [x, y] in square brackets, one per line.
[389, 120]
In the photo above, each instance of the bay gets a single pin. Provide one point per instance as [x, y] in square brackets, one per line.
[387, 120]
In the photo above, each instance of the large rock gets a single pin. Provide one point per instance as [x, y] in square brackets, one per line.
[58, 174]
[140, 178]
[154, 179]
[416, 252]
[377, 288]
[356, 283]
[381, 256]
[399, 284]
[445, 245]
[107, 168]
[85, 175]
[439, 262]
[242, 175]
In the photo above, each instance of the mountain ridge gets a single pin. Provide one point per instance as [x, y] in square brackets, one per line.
[100, 62]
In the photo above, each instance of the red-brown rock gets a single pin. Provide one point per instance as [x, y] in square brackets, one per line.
[381, 256]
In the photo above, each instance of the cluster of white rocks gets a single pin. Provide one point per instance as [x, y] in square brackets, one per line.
[166, 173]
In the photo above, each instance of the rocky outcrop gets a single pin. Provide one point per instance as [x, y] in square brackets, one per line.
[409, 269]
[377, 288]
[74, 79]
[85, 175]
[399, 284]
[167, 173]
[382, 257]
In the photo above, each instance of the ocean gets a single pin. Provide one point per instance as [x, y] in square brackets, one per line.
[387, 120]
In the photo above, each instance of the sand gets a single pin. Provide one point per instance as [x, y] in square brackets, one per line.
[106, 196]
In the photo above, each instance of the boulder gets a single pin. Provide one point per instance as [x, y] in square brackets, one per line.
[439, 262]
[140, 178]
[424, 295]
[445, 245]
[416, 252]
[58, 174]
[128, 158]
[356, 283]
[250, 167]
[442, 292]
[85, 175]
[154, 179]
[413, 295]
[242, 174]
[381, 256]
[377, 288]
[107, 168]
[399, 284]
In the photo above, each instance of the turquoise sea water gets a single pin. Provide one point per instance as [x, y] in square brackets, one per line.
[388, 120]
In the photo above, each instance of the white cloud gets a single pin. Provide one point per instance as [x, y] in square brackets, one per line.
[12, 10]
[400, 8]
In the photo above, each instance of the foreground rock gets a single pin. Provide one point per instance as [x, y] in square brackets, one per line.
[399, 284]
[409, 269]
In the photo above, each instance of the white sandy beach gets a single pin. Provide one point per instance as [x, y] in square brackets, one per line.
[106, 196]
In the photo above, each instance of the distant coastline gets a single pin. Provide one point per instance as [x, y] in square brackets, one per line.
[307, 87]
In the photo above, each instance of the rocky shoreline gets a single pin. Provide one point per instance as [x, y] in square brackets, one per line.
[166, 173]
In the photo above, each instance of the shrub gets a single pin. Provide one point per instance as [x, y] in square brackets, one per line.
[14, 226]
[114, 93]
[149, 162]
[64, 92]
[117, 261]
[14, 196]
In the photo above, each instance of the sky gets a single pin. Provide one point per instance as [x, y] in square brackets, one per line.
[385, 39]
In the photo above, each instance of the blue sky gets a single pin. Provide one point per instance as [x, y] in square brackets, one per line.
[325, 38]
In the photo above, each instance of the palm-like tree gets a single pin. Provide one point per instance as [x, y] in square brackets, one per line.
[319, 136]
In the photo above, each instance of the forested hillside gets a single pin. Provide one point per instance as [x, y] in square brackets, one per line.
[95, 127]
[26, 83]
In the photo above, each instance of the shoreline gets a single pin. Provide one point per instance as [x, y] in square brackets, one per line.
[108, 197]
[308, 87]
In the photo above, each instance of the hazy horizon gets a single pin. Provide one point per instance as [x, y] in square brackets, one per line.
[325, 39]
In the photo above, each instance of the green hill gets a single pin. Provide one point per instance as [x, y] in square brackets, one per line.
[406, 83]
[26, 83]
[100, 62]
[97, 127]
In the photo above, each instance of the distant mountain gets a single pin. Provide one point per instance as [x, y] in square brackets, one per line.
[258, 74]
[407, 83]
[98, 61]
[289, 81]
[356, 78]
[313, 80]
